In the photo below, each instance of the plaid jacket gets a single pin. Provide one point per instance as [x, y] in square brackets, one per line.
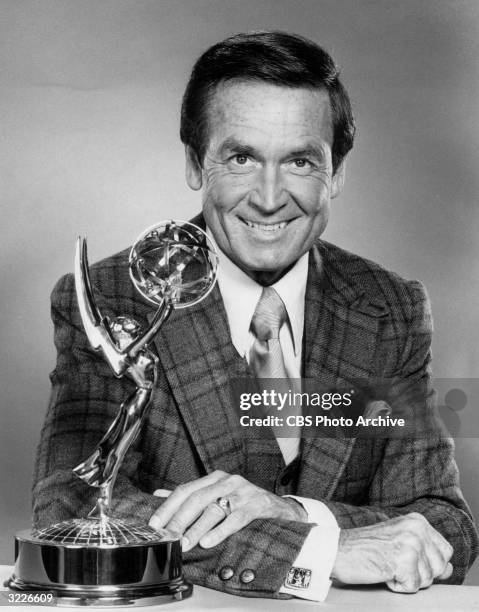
[360, 322]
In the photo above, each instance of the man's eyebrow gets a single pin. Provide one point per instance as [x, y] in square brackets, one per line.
[232, 144]
[309, 150]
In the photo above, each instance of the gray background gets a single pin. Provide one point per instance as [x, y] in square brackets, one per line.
[89, 110]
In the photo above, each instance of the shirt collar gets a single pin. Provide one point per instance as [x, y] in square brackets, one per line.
[241, 294]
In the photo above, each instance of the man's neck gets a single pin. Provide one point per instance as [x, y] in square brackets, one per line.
[267, 278]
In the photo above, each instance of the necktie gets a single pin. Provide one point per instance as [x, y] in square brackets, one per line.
[267, 361]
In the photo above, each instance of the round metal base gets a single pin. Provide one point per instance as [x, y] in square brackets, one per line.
[66, 595]
[97, 573]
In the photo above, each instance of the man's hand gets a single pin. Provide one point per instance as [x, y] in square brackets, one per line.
[405, 552]
[191, 509]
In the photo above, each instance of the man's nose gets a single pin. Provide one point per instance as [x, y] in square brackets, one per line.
[269, 193]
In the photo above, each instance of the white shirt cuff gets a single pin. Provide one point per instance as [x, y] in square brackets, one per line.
[317, 512]
[309, 578]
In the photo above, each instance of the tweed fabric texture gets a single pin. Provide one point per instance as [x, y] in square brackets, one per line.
[360, 322]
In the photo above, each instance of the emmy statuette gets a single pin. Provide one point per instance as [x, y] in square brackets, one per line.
[102, 560]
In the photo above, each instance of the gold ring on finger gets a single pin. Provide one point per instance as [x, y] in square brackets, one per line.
[224, 504]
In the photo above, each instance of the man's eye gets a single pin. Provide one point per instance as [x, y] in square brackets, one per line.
[301, 163]
[301, 166]
[240, 162]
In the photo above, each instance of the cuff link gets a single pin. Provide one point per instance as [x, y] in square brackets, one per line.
[298, 578]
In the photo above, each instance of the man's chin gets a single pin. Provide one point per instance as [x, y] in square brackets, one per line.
[267, 273]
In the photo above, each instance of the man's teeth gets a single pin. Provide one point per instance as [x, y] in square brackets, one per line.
[272, 227]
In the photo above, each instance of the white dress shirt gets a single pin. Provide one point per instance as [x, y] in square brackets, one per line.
[240, 295]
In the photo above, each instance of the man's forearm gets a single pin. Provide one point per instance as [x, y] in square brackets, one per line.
[266, 547]
[405, 552]
[452, 522]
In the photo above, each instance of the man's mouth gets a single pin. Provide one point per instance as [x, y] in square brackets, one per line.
[266, 227]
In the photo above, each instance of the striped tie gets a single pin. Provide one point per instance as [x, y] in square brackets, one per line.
[267, 361]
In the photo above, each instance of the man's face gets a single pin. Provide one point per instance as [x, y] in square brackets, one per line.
[267, 174]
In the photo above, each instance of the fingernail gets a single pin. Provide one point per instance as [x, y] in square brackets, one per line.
[185, 544]
[205, 542]
[162, 493]
[155, 523]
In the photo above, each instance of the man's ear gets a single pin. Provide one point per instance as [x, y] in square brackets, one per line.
[193, 172]
[337, 181]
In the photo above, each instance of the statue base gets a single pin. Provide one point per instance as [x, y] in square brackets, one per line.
[100, 563]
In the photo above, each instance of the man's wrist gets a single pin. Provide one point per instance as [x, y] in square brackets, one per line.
[299, 512]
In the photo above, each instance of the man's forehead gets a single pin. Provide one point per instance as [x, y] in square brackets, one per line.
[260, 105]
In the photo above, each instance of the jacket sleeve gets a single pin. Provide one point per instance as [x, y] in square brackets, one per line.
[85, 399]
[418, 473]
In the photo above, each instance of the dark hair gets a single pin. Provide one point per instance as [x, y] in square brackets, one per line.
[276, 57]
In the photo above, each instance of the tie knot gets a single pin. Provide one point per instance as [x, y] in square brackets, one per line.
[269, 315]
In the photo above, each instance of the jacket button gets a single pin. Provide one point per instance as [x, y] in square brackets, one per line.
[247, 576]
[286, 479]
[226, 572]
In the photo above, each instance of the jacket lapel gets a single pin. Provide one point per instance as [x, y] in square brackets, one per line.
[341, 327]
[199, 362]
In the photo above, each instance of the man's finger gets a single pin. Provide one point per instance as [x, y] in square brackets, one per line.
[409, 581]
[446, 573]
[441, 542]
[211, 516]
[437, 548]
[436, 558]
[162, 493]
[171, 505]
[195, 504]
[233, 523]
[426, 572]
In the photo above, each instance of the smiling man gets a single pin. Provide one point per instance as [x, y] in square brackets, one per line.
[266, 125]
[266, 174]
